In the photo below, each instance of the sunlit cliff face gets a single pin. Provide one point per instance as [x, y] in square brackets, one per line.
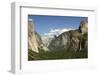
[32, 42]
[83, 27]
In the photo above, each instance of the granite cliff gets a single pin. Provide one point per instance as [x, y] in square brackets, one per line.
[71, 40]
[34, 39]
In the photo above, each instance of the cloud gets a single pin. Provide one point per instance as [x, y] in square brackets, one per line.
[49, 34]
[30, 19]
[56, 32]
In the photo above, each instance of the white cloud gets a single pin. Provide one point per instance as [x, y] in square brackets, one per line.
[56, 32]
[30, 19]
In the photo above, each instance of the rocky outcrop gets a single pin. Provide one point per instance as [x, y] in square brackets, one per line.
[74, 40]
[83, 27]
[34, 39]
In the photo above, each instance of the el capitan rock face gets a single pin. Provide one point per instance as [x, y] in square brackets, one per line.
[34, 39]
[74, 40]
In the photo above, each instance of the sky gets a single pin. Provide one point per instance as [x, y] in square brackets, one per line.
[55, 25]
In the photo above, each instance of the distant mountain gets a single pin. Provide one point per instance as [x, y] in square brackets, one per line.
[46, 40]
[74, 40]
